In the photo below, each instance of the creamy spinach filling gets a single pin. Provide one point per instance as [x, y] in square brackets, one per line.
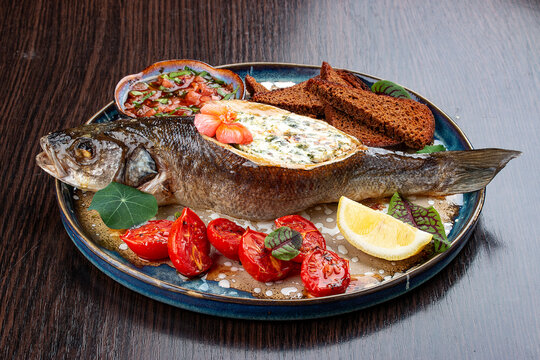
[293, 139]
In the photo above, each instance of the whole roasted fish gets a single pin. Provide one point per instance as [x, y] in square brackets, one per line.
[168, 158]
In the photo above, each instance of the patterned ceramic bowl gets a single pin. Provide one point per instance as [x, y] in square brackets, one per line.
[153, 71]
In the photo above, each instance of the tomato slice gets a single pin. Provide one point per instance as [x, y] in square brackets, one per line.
[149, 241]
[312, 238]
[233, 133]
[325, 273]
[215, 108]
[192, 98]
[207, 124]
[189, 249]
[258, 261]
[226, 236]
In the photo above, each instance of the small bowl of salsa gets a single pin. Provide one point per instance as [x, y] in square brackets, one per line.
[175, 88]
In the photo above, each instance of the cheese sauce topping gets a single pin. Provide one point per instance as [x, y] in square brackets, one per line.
[294, 139]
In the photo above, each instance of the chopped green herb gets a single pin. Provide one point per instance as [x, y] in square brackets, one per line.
[163, 101]
[148, 94]
[228, 96]
[179, 73]
[135, 93]
[221, 92]
[180, 108]
[191, 71]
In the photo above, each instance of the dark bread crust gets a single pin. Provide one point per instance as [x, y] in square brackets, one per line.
[329, 74]
[352, 80]
[400, 119]
[347, 124]
[296, 99]
[253, 87]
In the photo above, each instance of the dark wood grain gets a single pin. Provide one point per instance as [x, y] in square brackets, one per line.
[479, 61]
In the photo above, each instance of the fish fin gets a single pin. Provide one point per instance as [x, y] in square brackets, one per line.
[473, 169]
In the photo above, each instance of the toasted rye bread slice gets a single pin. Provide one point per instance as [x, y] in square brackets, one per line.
[296, 99]
[347, 124]
[341, 77]
[400, 119]
[253, 87]
[353, 80]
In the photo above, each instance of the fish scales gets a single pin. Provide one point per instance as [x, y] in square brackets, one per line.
[195, 171]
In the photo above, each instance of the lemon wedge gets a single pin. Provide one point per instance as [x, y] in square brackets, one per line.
[378, 234]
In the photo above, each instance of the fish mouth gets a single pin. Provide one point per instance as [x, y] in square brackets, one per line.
[48, 161]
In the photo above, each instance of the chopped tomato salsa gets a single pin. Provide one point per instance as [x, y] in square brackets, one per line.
[177, 93]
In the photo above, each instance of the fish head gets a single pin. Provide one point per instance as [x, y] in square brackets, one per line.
[83, 157]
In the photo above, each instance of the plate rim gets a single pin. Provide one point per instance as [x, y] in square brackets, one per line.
[415, 271]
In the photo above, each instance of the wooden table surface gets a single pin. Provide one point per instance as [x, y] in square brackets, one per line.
[478, 60]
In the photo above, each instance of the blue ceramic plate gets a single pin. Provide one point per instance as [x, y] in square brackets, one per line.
[163, 284]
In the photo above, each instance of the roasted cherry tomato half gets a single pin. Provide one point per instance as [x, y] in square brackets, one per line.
[312, 238]
[189, 249]
[325, 273]
[226, 236]
[258, 260]
[149, 241]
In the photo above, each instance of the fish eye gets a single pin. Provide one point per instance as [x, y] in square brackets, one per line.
[84, 149]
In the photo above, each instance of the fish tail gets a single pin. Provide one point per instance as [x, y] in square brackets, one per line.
[473, 169]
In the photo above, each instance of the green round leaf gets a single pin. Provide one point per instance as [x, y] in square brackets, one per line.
[390, 88]
[284, 242]
[122, 207]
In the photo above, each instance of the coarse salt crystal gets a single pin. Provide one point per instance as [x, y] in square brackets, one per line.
[224, 284]
[342, 250]
[288, 290]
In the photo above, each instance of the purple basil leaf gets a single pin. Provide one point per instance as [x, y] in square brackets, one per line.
[427, 220]
[285, 243]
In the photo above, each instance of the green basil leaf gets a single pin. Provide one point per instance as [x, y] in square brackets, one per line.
[390, 88]
[122, 207]
[427, 220]
[284, 242]
[431, 149]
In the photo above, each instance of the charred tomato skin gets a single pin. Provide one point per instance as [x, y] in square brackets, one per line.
[312, 238]
[188, 246]
[225, 236]
[324, 273]
[258, 260]
[149, 241]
